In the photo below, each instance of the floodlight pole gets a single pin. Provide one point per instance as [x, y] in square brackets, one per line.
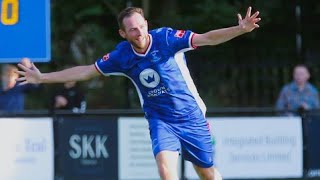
[299, 42]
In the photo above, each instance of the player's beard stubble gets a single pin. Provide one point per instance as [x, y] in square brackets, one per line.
[140, 44]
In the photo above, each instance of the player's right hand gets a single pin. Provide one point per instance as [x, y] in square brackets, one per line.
[29, 75]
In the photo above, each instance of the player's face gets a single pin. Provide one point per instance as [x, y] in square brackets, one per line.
[136, 32]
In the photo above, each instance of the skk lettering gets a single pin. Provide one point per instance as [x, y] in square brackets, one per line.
[88, 146]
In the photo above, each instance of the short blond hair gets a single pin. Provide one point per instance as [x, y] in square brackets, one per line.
[129, 11]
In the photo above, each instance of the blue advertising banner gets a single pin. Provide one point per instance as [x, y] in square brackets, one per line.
[312, 134]
[87, 148]
[25, 30]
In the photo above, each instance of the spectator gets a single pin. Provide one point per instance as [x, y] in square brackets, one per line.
[11, 93]
[299, 94]
[69, 97]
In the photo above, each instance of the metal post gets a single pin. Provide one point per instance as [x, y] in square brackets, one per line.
[298, 31]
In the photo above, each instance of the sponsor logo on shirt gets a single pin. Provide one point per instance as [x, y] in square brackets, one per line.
[149, 78]
[158, 91]
[180, 33]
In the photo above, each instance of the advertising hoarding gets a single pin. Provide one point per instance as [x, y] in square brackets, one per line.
[27, 150]
[25, 30]
[87, 148]
[256, 147]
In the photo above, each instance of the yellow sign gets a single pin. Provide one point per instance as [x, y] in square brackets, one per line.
[9, 12]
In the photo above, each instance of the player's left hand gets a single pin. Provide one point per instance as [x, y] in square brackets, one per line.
[249, 23]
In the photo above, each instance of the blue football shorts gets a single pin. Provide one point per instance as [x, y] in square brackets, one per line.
[190, 136]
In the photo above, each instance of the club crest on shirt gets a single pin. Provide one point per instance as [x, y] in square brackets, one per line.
[179, 33]
[155, 56]
[106, 57]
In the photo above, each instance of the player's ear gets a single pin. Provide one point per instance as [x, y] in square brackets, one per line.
[122, 33]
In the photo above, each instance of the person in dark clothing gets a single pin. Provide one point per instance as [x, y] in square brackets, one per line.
[69, 97]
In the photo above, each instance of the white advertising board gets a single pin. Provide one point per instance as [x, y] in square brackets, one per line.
[27, 149]
[136, 160]
[256, 147]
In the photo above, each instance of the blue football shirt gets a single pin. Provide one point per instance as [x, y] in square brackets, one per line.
[160, 75]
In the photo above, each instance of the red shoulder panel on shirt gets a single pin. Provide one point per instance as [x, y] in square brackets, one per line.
[180, 33]
[106, 57]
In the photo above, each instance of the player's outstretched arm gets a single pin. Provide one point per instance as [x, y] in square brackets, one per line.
[34, 76]
[214, 37]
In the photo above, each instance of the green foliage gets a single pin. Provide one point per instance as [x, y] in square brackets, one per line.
[247, 71]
